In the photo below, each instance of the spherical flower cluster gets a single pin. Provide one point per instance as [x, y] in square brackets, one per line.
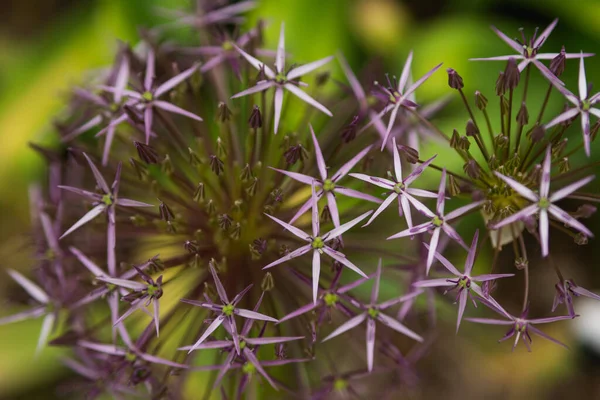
[232, 226]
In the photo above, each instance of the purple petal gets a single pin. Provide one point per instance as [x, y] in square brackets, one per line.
[370, 343]
[211, 328]
[398, 327]
[439, 282]
[545, 181]
[568, 220]
[415, 230]
[174, 81]
[278, 104]
[356, 194]
[357, 88]
[254, 361]
[405, 205]
[418, 171]
[582, 82]
[462, 304]
[255, 63]
[259, 87]
[315, 220]
[307, 99]
[300, 311]
[131, 203]
[489, 321]
[347, 167]
[567, 190]
[97, 120]
[521, 189]
[148, 118]
[318, 155]
[515, 46]
[220, 289]
[401, 299]
[405, 72]
[447, 264]
[342, 259]
[297, 232]
[109, 349]
[544, 35]
[296, 176]
[418, 83]
[272, 340]
[97, 175]
[381, 182]
[490, 277]
[158, 360]
[524, 213]
[375, 289]
[215, 344]
[174, 109]
[296, 253]
[335, 232]
[496, 58]
[280, 57]
[390, 125]
[316, 271]
[133, 285]
[333, 210]
[149, 76]
[34, 290]
[435, 237]
[441, 199]
[91, 266]
[382, 207]
[346, 326]
[306, 68]
[547, 337]
[472, 253]
[544, 232]
[23, 315]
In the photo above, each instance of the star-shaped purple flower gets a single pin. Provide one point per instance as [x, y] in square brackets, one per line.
[280, 80]
[566, 290]
[398, 187]
[528, 50]
[543, 203]
[318, 243]
[373, 312]
[111, 111]
[45, 308]
[439, 221]
[521, 326]
[328, 186]
[397, 94]
[148, 97]
[583, 105]
[247, 344]
[464, 282]
[227, 312]
[103, 203]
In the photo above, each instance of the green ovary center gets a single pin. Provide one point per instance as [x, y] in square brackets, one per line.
[394, 97]
[147, 96]
[280, 78]
[544, 203]
[107, 199]
[529, 51]
[586, 105]
[153, 290]
[318, 243]
[373, 313]
[228, 310]
[340, 384]
[331, 299]
[328, 185]
[248, 368]
[399, 187]
[437, 221]
[242, 344]
[464, 282]
[227, 45]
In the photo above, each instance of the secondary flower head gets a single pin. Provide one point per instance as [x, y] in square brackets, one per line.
[565, 291]
[543, 203]
[280, 79]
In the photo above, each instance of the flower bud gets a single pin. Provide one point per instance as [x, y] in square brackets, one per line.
[255, 120]
[559, 147]
[166, 214]
[146, 153]
[199, 193]
[350, 130]
[224, 113]
[557, 65]
[464, 144]
[500, 84]
[246, 173]
[216, 165]
[295, 153]
[511, 74]
[472, 169]
[537, 134]
[586, 211]
[194, 160]
[454, 139]
[480, 100]
[523, 115]
[453, 187]
[563, 165]
[410, 155]
[581, 239]
[521, 263]
[455, 81]
[267, 283]
[471, 129]
[224, 221]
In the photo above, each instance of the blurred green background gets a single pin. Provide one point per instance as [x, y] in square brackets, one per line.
[47, 45]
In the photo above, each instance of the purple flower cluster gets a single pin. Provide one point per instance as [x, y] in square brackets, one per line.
[213, 194]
